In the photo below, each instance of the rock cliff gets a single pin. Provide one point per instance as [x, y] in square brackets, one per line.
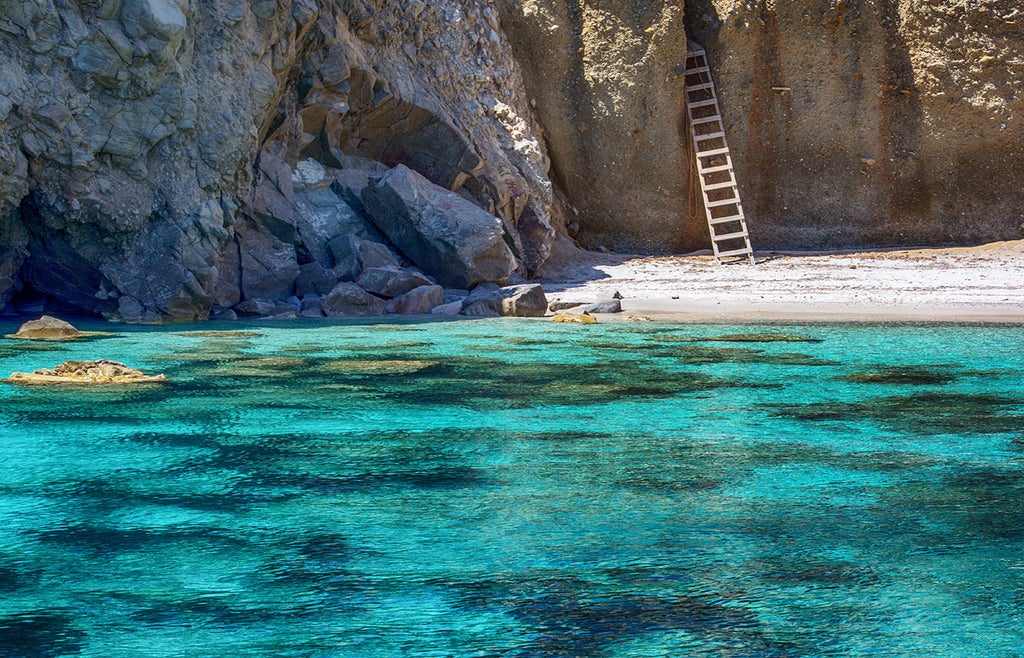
[876, 123]
[169, 159]
[149, 148]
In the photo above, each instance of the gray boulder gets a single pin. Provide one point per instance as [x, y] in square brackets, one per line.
[313, 279]
[448, 308]
[349, 300]
[392, 281]
[353, 254]
[320, 218]
[258, 308]
[525, 301]
[256, 265]
[444, 234]
[604, 306]
[418, 301]
[354, 177]
[454, 294]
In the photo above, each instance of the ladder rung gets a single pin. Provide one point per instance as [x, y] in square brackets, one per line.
[704, 154]
[731, 236]
[745, 251]
[699, 69]
[693, 104]
[714, 135]
[719, 186]
[715, 169]
[700, 87]
[722, 202]
[723, 220]
[713, 117]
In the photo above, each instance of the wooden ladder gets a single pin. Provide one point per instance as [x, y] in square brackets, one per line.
[726, 221]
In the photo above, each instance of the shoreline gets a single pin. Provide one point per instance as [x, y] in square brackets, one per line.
[975, 285]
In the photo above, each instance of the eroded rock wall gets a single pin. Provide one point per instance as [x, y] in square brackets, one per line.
[606, 77]
[871, 123]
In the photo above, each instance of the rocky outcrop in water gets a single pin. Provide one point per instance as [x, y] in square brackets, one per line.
[53, 329]
[101, 371]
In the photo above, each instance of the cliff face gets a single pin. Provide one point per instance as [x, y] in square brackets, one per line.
[871, 123]
[160, 159]
[607, 79]
[144, 143]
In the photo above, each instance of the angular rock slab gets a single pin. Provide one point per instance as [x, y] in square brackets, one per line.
[525, 301]
[418, 301]
[391, 281]
[444, 234]
[349, 300]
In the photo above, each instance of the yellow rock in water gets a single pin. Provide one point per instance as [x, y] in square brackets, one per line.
[101, 371]
[576, 318]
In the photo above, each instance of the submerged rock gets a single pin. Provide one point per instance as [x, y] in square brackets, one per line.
[51, 328]
[100, 371]
[575, 318]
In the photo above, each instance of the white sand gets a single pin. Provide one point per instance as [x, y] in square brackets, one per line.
[979, 284]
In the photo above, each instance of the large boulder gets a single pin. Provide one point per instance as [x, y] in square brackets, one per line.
[313, 279]
[418, 301]
[349, 300]
[256, 265]
[321, 215]
[444, 234]
[524, 301]
[353, 254]
[391, 281]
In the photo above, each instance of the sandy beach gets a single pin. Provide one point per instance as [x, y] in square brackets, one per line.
[964, 284]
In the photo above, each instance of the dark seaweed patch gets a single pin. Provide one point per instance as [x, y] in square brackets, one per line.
[903, 375]
[949, 413]
[763, 338]
[815, 571]
[570, 617]
[39, 634]
[454, 477]
[211, 610]
[107, 540]
[13, 579]
[698, 354]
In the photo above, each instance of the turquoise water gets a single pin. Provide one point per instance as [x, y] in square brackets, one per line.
[519, 488]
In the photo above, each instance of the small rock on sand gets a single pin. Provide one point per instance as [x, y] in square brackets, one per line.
[575, 318]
